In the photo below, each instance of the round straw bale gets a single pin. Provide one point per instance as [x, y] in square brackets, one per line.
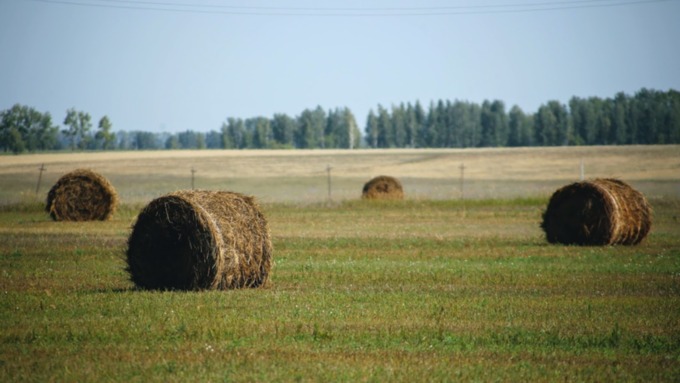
[602, 211]
[82, 195]
[383, 187]
[199, 239]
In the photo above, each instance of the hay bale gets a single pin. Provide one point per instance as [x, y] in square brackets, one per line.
[198, 239]
[597, 212]
[383, 187]
[82, 195]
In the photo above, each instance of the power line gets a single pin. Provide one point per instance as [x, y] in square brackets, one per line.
[137, 4]
[368, 11]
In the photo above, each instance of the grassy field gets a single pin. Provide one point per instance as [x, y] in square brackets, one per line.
[412, 291]
[433, 288]
[300, 176]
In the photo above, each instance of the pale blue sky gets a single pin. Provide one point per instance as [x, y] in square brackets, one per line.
[192, 67]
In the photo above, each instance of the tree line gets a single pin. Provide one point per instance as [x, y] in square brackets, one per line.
[647, 117]
[23, 128]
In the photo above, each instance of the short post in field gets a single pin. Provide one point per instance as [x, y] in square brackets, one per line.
[583, 172]
[42, 169]
[193, 171]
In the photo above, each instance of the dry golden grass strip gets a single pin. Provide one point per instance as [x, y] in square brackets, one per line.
[195, 240]
[383, 187]
[82, 195]
[602, 211]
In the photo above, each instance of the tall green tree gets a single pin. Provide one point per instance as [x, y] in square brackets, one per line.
[191, 140]
[604, 122]
[647, 124]
[454, 123]
[420, 120]
[372, 129]
[11, 137]
[668, 116]
[104, 135]
[440, 125]
[459, 124]
[39, 133]
[583, 121]
[12, 140]
[493, 121]
[519, 128]
[411, 125]
[619, 117]
[428, 136]
[78, 125]
[24, 128]
[487, 124]
[449, 130]
[467, 117]
[233, 134]
[385, 129]
[474, 118]
[124, 140]
[501, 122]
[47, 133]
[261, 132]
[672, 120]
[283, 130]
[341, 129]
[213, 140]
[550, 124]
[145, 141]
[334, 125]
[172, 142]
[306, 134]
[353, 133]
[399, 126]
[311, 128]
[318, 118]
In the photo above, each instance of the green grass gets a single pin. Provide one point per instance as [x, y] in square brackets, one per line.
[413, 291]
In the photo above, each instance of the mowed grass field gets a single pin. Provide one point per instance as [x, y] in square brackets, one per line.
[433, 288]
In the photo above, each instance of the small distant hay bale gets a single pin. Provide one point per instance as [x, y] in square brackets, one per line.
[82, 195]
[383, 187]
[602, 211]
[198, 240]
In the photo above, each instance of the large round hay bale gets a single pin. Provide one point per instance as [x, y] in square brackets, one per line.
[597, 212]
[198, 239]
[383, 187]
[82, 195]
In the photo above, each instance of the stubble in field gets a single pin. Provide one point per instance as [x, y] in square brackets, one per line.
[302, 176]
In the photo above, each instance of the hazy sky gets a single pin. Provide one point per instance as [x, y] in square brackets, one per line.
[154, 66]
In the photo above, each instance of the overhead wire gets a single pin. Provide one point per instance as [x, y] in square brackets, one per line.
[163, 6]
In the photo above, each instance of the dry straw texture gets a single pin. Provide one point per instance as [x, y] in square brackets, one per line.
[383, 187]
[597, 212]
[82, 195]
[195, 240]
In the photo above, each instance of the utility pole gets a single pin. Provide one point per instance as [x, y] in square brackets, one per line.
[42, 169]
